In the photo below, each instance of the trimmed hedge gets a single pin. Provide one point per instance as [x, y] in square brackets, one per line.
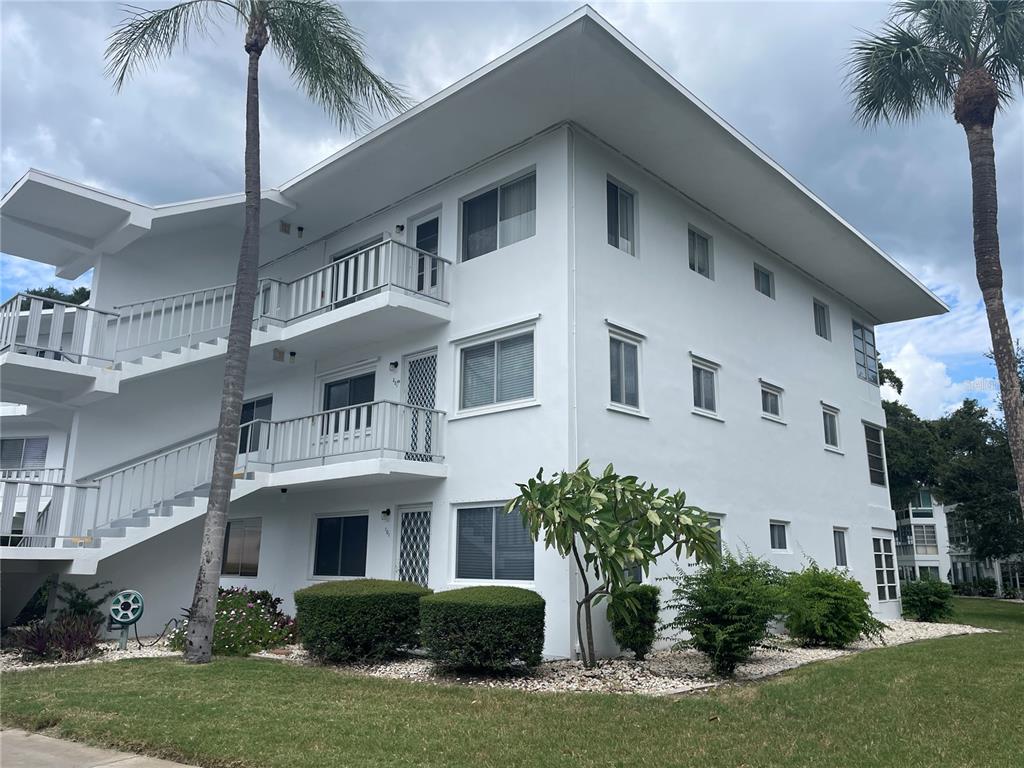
[358, 619]
[492, 628]
[927, 600]
[829, 608]
[635, 629]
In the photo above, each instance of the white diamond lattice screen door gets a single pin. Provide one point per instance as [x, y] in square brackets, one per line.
[414, 546]
[421, 382]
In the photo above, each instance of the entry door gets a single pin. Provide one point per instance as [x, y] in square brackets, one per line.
[426, 234]
[420, 385]
[414, 545]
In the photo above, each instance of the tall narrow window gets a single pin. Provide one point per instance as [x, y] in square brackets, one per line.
[830, 419]
[497, 371]
[822, 323]
[704, 389]
[885, 568]
[499, 217]
[621, 218]
[625, 372]
[491, 544]
[341, 546]
[241, 548]
[777, 530]
[771, 401]
[864, 353]
[876, 454]
[839, 544]
[700, 254]
[764, 281]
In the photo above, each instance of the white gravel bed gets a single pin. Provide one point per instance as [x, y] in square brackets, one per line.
[662, 673]
[107, 650]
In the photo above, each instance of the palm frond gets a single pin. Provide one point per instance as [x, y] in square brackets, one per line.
[951, 25]
[1003, 54]
[897, 74]
[146, 36]
[327, 59]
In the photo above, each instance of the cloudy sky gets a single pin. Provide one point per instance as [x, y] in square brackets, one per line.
[773, 70]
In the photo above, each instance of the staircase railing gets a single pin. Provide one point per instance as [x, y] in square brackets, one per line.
[55, 330]
[184, 317]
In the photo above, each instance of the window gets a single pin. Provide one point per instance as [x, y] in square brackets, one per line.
[771, 401]
[925, 541]
[497, 371]
[907, 573]
[839, 545]
[241, 548]
[700, 254]
[885, 568]
[621, 217]
[491, 544]
[764, 281]
[830, 419]
[822, 323]
[929, 572]
[704, 389]
[625, 371]
[426, 237]
[347, 394]
[252, 437]
[720, 522]
[876, 454]
[341, 546]
[23, 452]
[499, 217]
[922, 504]
[864, 353]
[777, 531]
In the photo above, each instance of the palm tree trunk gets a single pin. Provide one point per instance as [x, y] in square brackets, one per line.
[990, 280]
[199, 640]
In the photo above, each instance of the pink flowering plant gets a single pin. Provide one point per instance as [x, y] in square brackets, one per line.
[247, 621]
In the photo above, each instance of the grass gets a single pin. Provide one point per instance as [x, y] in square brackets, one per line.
[948, 702]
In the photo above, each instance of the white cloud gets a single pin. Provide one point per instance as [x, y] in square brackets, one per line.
[928, 388]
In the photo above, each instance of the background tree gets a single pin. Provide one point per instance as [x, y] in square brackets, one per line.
[967, 57]
[78, 295]
[910, 452]
[327, 60]
[610, 524]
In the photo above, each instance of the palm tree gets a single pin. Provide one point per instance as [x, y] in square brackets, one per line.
[326, 57]
[965, 56]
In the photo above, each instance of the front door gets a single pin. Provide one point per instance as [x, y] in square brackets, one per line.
[420, 385]
[347, 420]
[414, 545]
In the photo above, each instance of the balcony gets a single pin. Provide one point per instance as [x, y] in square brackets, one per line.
[54, 352]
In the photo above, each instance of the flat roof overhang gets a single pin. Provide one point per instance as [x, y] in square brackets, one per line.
[565, 74]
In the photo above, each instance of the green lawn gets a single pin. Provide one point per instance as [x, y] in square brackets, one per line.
[949, 702]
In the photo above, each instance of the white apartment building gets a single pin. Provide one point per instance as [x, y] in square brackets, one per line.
[922, 539]
[565, 255]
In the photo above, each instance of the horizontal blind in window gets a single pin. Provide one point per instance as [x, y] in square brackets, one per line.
[473, 548]
[518, 210]
[515, 368]
[513, 548]
[34, 456]
[478, 375]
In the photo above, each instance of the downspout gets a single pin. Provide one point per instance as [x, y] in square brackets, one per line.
[573, 424]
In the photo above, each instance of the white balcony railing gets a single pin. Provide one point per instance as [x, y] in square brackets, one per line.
[181, 319]
[55, 330]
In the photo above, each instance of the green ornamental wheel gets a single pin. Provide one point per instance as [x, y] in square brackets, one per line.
[126, 607]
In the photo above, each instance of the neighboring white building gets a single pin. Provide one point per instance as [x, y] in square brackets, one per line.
[922, 539]
[565, 255]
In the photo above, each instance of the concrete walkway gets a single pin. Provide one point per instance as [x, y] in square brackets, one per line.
[19, 749]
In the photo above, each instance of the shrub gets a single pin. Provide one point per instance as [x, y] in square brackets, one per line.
[634, 619]
[725, 608]
[491, 628]
[828, 607]
[33, 639]
[247, 621]
[78, 602]
[927, 600]
[985, 587]
[359, 619]
[73, 637]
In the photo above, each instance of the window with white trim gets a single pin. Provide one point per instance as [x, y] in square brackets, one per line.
[764, 281]
[624, 359]
[864, 353]
[830, 421]
[822, 322]
[929, 572]
[492, 545]
[704, 385]
[839, 545]
[876, 454]
[23, 452]
[340, 548]
[500, 216]
[885, 568]
[701, 260]
[621, 218]
[718, 520]
[925, 540]
[241, 547]
[771, 400]
[496, 371]
[778, 532]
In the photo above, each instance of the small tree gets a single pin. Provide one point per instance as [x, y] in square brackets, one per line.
[610, 524]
